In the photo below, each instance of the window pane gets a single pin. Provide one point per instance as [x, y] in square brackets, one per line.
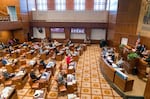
[79, 5]
[57, 30]
[99, 5]
[60, 5]
[42, 5]
[77, 30]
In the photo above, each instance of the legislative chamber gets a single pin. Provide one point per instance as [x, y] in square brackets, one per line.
[74, 49]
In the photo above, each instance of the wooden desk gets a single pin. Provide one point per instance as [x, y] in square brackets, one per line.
[59, 46]
[71, 67]
[45, 55]
[15, 54]
[107, 70]
[71, 47]
[141, 68]
[40, 94]
[20, 79]
[60, 56]
[51, 66]
[71, 83]
[75, 58]
[80, 51]
[10, 68]
[123, 84]
[45, 80]
[118, 78]
[8, 93]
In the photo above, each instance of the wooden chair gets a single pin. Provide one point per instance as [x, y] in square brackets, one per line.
[62, 90]
[9, 68]
[34, 85]
[5, 82]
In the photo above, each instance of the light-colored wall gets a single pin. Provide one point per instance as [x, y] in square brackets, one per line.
[77, 36]
[58, 35]
[37, 34]
[98, 34]
[71, 16]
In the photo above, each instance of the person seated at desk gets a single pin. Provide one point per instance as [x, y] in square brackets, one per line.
[41, 50]
[16, 41]
[43, 64]
[56, 51]
[34, 76]
[68, 50]
[120, 63]
[87, 40]
[69, 42]
[10, 42]
[76, 53]
[55, 42]
[24, 44]
[7, 75]
[140, 49]
[10, 49]
[2, 46]
[51, 44]
[63, 69]
[148, 60]
[61, 79]
[68, 59]
[4, 61]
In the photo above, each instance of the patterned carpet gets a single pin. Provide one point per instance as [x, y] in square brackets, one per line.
[91, 83]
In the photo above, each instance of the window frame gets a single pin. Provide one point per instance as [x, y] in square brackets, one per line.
[99, 5]
[60, 5]
[42, 5]
[79, 5]
[77, 30]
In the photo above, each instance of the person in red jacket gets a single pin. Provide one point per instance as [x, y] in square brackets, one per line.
[68, 59]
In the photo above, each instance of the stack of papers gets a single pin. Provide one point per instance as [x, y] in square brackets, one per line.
[72, 96]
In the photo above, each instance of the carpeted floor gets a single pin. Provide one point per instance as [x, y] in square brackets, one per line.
[91, 83]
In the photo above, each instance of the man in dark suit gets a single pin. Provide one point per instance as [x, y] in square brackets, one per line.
[33, 76]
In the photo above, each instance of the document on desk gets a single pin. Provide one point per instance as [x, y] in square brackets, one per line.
[50, 64]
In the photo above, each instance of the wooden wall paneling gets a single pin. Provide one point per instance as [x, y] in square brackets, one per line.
[88, 32]
[47, 31]
[10, 25]
[147, 88]
[19, 34]
[68, 24]
[5, 36]
[67, 32]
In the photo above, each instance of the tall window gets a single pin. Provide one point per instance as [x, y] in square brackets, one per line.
[42, 5]
[60, 5]
[79, 5]
[99, 5]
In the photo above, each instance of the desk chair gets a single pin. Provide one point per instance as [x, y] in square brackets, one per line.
[9, 68]
[34, 85]
[5, 82]
[62, 90]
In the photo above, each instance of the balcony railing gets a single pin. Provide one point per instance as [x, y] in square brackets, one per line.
[4, 18]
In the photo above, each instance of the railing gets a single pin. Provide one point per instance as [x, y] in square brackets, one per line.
[4, 18]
